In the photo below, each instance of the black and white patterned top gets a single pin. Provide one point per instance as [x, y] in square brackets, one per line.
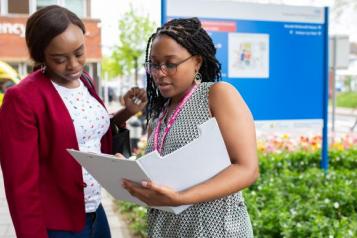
[225, 217]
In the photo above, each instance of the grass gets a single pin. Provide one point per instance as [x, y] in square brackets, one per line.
[346, 99]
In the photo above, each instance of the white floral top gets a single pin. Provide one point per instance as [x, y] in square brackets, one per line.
[91, 122]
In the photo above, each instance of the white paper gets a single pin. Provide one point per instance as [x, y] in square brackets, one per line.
[190, 165]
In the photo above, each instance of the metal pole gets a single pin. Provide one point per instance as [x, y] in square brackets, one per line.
[324, 152]
[334, 85]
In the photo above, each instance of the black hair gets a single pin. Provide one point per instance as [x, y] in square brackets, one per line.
[187, 32]
[44, 25]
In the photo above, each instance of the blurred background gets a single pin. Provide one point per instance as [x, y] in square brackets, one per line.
[116, 41]
[293, 197]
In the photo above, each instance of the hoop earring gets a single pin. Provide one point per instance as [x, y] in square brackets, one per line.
[198, 78]
[43, 68]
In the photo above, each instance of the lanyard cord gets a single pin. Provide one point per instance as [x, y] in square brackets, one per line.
[171, 121]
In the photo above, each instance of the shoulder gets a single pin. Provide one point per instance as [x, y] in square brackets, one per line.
[34, 81]
[224, 97]
[29, 89]
[222, 90]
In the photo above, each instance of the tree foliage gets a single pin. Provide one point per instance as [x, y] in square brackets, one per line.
[127, 56]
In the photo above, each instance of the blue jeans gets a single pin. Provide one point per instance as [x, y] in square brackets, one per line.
[96, 227]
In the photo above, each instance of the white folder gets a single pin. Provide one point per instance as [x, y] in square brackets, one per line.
[190, 165]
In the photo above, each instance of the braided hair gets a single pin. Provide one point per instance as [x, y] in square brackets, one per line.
[190, 35]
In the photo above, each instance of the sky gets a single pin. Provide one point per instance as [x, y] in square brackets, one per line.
[110, 11]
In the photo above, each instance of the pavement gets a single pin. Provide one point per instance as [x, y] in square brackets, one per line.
[117, 225]
[344, 111]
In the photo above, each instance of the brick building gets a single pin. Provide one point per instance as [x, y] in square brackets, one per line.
[13, 17]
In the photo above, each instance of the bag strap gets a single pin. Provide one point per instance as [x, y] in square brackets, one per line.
[89, 81]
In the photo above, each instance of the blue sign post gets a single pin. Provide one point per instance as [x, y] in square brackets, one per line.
[276, 56]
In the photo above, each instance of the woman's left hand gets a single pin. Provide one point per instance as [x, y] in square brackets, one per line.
[135, 100]
[153, 194]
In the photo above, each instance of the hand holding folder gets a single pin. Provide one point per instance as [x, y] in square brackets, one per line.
[167, 171]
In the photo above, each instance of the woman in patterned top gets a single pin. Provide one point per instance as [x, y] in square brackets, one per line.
[51, 110]
[182, 71]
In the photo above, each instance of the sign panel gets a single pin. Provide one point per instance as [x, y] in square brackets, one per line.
[13, 45]
[274, 55]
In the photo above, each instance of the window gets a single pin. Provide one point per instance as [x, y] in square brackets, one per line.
[44, 3]
[76, 6]
[18, 7]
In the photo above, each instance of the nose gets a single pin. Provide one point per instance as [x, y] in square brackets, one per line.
[72, 63]
[161, 72]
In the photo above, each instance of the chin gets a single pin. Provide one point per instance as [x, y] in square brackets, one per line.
[166, 94]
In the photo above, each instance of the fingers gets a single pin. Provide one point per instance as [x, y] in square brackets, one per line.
[142, 95]
[133, 188]
[136, 95]
[149, 185]
[139, 96]
[155, 188]
[119, 156]
[151, 193]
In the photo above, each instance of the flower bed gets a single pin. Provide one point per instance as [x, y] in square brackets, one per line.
[293, 197]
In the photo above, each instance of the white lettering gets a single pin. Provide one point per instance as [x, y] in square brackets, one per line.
[12, 28]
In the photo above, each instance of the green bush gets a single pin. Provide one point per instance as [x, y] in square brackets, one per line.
[303, 204]
[293, 197]
[135, 216]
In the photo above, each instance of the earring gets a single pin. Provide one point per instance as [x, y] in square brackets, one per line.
[198, 78]
[43, 68]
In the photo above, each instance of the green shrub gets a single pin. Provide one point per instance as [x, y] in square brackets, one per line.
[135, 216]
[308, 204]
[294, 197]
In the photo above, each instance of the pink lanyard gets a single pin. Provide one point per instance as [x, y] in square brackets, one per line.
[171, 120]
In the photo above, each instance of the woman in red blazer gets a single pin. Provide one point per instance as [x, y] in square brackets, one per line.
[44, 185]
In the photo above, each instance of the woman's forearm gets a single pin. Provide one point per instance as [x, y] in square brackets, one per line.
[121, 117]
[231, 180]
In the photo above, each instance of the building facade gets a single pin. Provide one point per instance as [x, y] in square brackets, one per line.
[13, 17]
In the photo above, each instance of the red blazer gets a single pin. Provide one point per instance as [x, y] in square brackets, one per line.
[43, 183]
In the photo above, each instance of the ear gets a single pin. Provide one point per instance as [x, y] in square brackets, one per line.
[198, 62]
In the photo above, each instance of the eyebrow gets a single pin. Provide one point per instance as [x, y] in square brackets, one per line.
[166, 57]
[78, 49]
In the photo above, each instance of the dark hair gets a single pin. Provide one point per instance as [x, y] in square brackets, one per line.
[46, 24]
[190, 35]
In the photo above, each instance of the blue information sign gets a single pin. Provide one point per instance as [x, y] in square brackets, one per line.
[276, 56]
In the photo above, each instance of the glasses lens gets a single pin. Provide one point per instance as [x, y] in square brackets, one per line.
[156, 68]
[171, 68]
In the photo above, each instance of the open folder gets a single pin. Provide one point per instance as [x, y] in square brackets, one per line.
[191, 164]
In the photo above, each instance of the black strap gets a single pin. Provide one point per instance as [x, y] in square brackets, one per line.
[89, 81]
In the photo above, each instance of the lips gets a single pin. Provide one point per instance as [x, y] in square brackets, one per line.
[74, 75]
[163, 86]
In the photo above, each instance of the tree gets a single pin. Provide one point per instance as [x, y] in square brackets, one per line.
[134, 32]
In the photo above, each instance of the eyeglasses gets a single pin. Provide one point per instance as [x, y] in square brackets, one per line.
[166, 68]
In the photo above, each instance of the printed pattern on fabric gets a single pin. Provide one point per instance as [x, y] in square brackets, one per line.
[225, 217]
[91, 122]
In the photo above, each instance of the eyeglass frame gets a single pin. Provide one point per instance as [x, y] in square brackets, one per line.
[163, 67]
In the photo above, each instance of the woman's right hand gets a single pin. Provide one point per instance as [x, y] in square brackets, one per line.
[135, 100]
[119, 156]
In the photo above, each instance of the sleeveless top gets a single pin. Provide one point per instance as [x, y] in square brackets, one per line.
[225, 217]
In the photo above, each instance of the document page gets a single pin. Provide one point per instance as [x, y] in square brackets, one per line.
[190, 165]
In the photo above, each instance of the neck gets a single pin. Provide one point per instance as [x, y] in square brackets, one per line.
[174, 101]
[62, 81]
